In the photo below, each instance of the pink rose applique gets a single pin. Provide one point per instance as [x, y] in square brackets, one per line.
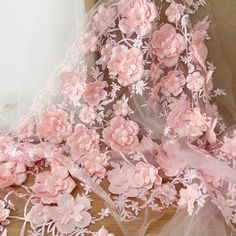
[49, 185]
[82, 141]
[70, 213]
[167, 45]
[94, 163]
[126, 64]
[12, 173]
[173, 14]
[87, 114]
[73, 84]
[38, 215]
[54, 125]
[95, 92]
[125, 180]
[172, 83]
[149, 174]
[121, 134]
[4, 212]
[137, 16]
[121, 108]
[88, 42]
[104, 17]
[189, 196]
[195, 81]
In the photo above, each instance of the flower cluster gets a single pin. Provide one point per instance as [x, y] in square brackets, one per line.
[94, 162]
[54, 126]
[94, 93]
[128, 179]
[82, 141]
[12, 173]
[186, 121]
[73, 84]
[126, 64]
[167, 45]
[49, 185]
[103, 17]
[137, 17]
[121, 134]
[68, 215]
[172, 83]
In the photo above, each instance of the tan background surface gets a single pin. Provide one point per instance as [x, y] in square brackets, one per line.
[222, 51]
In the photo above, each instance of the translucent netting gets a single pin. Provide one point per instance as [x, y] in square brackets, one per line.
[129, 115]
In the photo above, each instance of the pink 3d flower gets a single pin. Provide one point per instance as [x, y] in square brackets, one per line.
[173, 13]
[121, 134]
[126, 64]
[73, 84]
[88, 42]
[38, 215]
[149, 174]
[147, 145]
[198, 48]
[25, 130]
[172, 83]
[229, 145]
[103, 232]
[106, 51]
[137, 16]
[125, 180]
[104, 17]
[189, 196]
[166, 157]
[95, 92]
[4, 212]
[168, 193]
[49, 185]
[94, 163]
[12, 173]
[197, 45]
[70, 213]
[175, 118]
[195, 121]
[195, 81]
[87, 114]
[189, 2]
[167, 45]
[54, 125]
[185, 121]
[156, 73]
[82, 141]
[121, 108]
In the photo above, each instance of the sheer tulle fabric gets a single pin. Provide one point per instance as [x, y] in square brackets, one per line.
[38, 34]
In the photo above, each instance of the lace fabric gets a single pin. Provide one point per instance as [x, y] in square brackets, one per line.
[128, 116]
